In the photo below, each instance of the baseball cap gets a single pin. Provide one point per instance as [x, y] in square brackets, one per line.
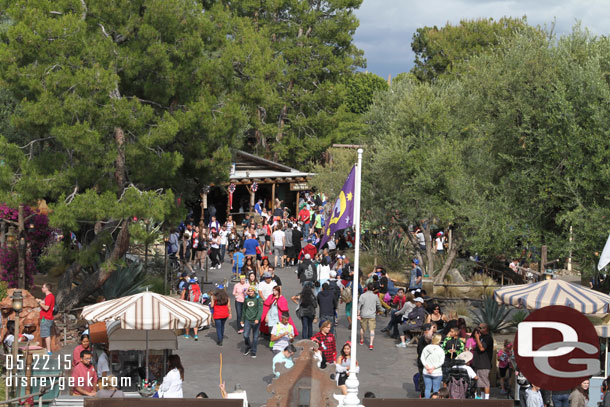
[307, 256]
[415, 261]
[267, 275]
[193, 279]
[333, 274]
[425, 327]
[419, 299]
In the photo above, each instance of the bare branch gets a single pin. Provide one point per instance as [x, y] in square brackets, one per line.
[84, 14]
[104, 30]
[150, 102]
[70, 197]
[57, 13]
[35, 141]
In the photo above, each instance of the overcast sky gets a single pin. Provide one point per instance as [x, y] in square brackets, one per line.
[387, 26]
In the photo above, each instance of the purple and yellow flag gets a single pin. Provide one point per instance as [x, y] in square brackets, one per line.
[342, 215]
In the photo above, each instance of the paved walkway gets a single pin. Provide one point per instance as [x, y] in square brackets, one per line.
[387, 371]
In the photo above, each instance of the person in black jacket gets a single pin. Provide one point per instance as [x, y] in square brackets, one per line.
[307, 304]
[328, 301]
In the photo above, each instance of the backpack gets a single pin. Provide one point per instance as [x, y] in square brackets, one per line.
[194, 292]
[346, 295]
[308, 274]
[457, 388]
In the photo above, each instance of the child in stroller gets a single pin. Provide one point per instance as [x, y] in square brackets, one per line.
[461, 379]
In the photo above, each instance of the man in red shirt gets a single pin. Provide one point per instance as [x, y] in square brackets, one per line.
[305, 217]
[46, 315]
[84, 376]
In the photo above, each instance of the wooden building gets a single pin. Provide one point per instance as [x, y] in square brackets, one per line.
[253, 178]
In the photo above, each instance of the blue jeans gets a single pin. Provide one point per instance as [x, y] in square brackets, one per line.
[223, 250]
[220, 328]
[432, 383]
[307, 323]
[239, 306]
[251, 326]
[305, 232]
[561, 400]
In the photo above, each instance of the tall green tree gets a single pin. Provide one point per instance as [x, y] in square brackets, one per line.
[315, 41]
[117, 102]
[440, 50]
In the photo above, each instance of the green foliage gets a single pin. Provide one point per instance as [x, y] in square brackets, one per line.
[438, 51]
[3, 289]
[126, 280]
[491, 313]
[361, 88]
[391, 250]
[510, 152]
[331, 176]
[518, 317]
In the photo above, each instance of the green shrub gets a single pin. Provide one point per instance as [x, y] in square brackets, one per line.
[491, 313]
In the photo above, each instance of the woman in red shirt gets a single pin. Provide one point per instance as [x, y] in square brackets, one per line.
[222, 312]
[85, 344]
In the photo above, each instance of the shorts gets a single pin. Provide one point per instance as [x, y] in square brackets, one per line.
[342, 378]
[267, 238]
[483, 381]
[290, 253]
[504, 371]
[45, 327]
[278, 252]
[368, 324]
[348, 309]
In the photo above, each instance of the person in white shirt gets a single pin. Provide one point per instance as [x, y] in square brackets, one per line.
[238, 394]
[440, 243]
[171, 387]
[279, 245]
[432, 358]
[224, 241]
[467, 357]
[103, 364]
[265, 287]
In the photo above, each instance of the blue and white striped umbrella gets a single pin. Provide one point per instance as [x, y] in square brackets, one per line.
[554, 292]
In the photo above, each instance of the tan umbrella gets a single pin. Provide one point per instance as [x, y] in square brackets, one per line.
[148, 312]
[554, 292]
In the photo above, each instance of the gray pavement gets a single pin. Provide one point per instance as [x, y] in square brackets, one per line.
[387, 371]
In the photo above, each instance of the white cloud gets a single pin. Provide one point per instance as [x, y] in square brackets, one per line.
[387, 26]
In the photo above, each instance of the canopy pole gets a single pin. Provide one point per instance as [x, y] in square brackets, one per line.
[147, 354]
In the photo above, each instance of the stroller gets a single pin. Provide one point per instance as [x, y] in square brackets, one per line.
[459, 384]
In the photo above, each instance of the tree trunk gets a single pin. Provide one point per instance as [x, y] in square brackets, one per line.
[450, 257]
[425, 228]
[71, 299]
[119, 172]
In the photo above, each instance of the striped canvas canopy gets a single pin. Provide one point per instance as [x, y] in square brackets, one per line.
[603, 331]
[149, 311]
[554, 292]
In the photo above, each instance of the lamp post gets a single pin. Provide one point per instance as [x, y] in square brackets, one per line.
[166, 240]
[17, 307]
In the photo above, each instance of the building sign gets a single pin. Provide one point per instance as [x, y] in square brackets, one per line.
[299, 186]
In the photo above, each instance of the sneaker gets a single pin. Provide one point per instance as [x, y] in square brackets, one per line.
[254, 356]
[219, 343]
[361, 341]
[370, 347]
[186, 337]
[385, 330]
[401, 345]
[247, 352]
[196, 337]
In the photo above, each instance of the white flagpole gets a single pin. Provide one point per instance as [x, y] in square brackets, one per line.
[352, 381]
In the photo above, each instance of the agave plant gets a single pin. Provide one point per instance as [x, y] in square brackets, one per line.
[518, 317]
[492, 314]
[126, 280]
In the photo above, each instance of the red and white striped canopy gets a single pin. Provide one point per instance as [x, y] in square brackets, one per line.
[149, 311]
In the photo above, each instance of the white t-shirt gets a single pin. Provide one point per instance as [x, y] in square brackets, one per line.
[284, 341]
[223, 237]
[278, 238]
[266, 289]
[239, 396]
[439, 243]
[468, 370]
[421, 239]
[103, 365]
[331, 244]
[10, 339]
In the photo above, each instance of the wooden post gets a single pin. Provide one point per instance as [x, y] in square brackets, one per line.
[272, 197]
[296, 212]
[251, 200]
